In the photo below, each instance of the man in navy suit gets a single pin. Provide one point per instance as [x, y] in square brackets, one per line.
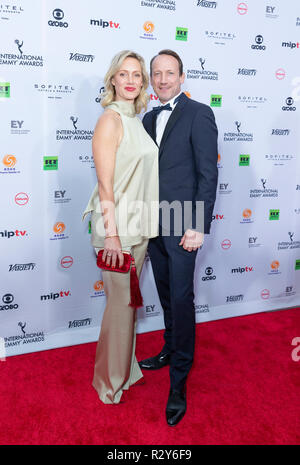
[186, 133]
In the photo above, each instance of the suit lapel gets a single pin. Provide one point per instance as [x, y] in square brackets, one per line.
[176, 113]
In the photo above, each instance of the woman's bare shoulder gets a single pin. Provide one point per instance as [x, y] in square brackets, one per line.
[109, 123]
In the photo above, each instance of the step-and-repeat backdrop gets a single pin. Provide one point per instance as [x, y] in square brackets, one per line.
[241, 58]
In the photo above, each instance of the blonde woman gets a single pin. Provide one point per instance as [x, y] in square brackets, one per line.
[122, 215]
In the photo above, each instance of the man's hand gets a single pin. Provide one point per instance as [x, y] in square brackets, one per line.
[192, 240]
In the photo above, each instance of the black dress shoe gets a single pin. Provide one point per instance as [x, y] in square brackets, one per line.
[176, 406]
[154, 363]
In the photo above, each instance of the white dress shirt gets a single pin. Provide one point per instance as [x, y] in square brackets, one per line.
[163, 118]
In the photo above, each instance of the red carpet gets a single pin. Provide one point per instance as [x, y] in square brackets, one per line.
[243, 389]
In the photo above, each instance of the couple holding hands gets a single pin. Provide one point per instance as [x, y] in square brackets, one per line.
[169, 159]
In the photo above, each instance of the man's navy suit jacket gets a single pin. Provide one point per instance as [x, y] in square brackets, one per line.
[188, 157]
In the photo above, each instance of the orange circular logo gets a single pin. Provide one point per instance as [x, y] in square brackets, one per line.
[219, 158]
[59, 227]
[187, 94]
[275, 265]
[98, 285]
[148, 27]
[247, 213]
[9, 160]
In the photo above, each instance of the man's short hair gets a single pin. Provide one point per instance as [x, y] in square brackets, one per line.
[172, 54]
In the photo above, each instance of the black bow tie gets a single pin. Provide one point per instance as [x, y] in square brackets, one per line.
[161, 108]
[165, 107]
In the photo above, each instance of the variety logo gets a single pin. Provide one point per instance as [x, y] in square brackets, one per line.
[169, 5]
[58, 15]
[280, 132]
[24, 338]
[60, 197]
[56, 295]
[11, 59]
[202, 73]
[274, 215]
[235, 298]
[21, 198]
[258, 43]
[242, 8]
[207, 4]
[81, 57]
[247, 72]
[17, 127]
[238, 136]
[9, 162]
[148, 31]
[242, 270]
[75, 134]
[209, 274]
[8, 299]
[291, 244]
[9, 234]
[289, 105]
[4, 90]
[216, 100]
[55, 91]
[244, 160]
[181, 34]
[22, 267]
[59, 229]
[50, 163]
[104, 24]
[291, 45]
[264, 192]
[80, 323]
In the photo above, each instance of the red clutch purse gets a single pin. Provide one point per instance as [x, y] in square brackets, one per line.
[136, 299]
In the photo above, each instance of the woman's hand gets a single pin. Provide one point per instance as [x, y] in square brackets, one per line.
[113, 251]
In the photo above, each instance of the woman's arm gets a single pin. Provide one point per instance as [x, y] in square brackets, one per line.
[107, 137]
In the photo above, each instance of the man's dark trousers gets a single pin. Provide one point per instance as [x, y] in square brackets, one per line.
[173, 270]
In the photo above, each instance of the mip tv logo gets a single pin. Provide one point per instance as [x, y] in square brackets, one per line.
[104, 24]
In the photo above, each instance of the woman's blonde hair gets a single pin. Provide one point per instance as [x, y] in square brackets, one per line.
[109, 94]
